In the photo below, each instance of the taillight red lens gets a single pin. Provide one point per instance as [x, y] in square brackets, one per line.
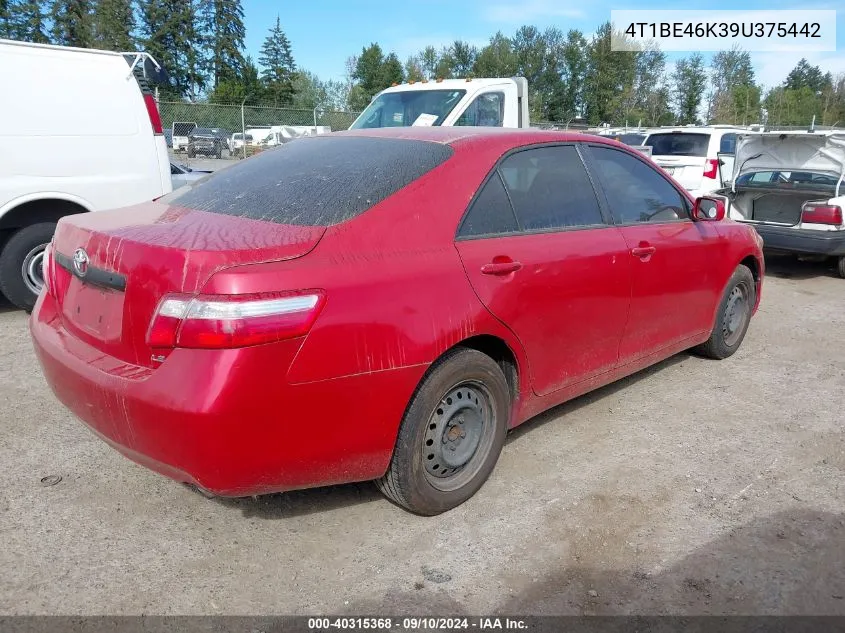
[47, 268]
[229, 321]
[711, 168]
[152, 111]
[815, 213]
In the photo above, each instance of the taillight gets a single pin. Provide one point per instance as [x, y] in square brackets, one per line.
[229, 321]
[47, 269]
[821, 213]
[711, 168]
[152, 111]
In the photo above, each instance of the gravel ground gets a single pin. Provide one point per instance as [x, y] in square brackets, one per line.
[694, 487]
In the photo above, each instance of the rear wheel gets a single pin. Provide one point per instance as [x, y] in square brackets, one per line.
[191, 152]
[840, 268]
[451, 435]
[21, 278]
[733, 316]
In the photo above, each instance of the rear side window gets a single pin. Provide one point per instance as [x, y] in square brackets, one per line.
[550, 189]
[678, 144]
[314, 181]
[491, 212]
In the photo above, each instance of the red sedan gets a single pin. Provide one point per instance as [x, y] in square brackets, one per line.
[382, 304]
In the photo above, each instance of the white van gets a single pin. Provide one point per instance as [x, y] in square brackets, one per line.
[699, 158]
[78, 135]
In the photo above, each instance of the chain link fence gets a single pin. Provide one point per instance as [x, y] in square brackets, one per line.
[232, 119]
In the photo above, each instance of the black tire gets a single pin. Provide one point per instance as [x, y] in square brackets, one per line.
[477, 413]
[732, 317]
[191, 153]
[840, 267]
[18, 261]
[218, 154]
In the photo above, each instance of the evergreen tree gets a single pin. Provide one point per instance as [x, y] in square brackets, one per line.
[690, 81]
[7, 29]
[573, 72]
[223, 23]
[806, 76]
[497, 59]
[73, 23]
[171, 35]
[23, 21]
[391, 71]
[609, 80]
[114, 22]
[413, 69]
[247, 85]
[278, 66]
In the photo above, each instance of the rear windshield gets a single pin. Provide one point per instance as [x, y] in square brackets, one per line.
[316, 181]
[678, 144]
[789, 180]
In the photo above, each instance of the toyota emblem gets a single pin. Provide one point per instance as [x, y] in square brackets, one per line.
[80, 262]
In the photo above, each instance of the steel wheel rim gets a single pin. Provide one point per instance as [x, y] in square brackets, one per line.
[735, 315]
[32, 269]
[458, 436]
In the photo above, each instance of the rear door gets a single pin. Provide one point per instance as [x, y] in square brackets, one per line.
[545, 261]
[674, 282]
[681, 154]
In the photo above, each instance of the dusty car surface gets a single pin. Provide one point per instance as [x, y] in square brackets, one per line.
[382, 305]
[789, 186]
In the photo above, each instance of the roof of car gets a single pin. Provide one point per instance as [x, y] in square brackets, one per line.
[457, 136]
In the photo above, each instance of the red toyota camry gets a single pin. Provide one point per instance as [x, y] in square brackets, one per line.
[382, 304]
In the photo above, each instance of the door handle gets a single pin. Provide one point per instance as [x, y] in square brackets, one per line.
[643, 251]
[500, 268]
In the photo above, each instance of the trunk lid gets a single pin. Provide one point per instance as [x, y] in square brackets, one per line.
[138, 254]
[802, 152]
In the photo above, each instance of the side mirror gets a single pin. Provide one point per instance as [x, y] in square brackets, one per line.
[708, 209]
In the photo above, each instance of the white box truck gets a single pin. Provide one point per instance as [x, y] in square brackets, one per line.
[79, 134]
[448, 102]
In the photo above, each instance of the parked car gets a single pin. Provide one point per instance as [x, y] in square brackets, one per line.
[383, 304]
[182, 175]
[692, 155]
[238, 141]
[207, 142]
[74, 151]
[788, 185]
[181, 132]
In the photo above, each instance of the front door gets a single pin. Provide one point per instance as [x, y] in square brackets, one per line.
[545, 261]
[674, 259]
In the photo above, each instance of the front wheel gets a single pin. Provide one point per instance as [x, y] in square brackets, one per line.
[732, 317]
[21, 277]
[451, 435]
[840, 267]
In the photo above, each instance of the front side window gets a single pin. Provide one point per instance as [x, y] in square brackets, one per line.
[486, 110]
[550, 189]
[404, 109]
[636, 192]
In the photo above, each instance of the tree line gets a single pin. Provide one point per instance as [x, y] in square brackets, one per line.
[570, 74]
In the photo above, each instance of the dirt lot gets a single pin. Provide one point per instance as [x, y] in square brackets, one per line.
[694, 487]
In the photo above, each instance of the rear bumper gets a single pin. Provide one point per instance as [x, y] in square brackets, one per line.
[228, 421]
[793, 240]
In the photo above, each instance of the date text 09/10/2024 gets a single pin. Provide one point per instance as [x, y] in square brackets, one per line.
[416, 624]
